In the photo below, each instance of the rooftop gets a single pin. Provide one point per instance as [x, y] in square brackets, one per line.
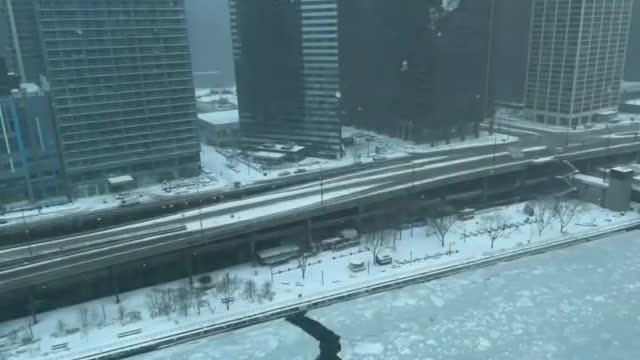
[281, 148]
[268, 155]
[591, 180]
[220, 117]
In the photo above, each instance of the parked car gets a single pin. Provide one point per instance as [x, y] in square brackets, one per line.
[237, 184]
[384, 259]
[379, 158]
[300, 171]
[284, 173]
[356, 266]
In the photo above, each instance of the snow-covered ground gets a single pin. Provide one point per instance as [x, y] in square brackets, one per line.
[413, 250]
[622, 120]
[368, 147]
[110, 201]
[578, 303]
[367, 142]
[218, 175]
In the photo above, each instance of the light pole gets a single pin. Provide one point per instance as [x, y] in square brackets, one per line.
[200, 209]
[495, 145]
[26, 232]
[321, 190]
[606, 169]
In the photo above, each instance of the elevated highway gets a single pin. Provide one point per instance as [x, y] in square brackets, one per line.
[25, 266]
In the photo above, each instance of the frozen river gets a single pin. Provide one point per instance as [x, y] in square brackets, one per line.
[578, 303]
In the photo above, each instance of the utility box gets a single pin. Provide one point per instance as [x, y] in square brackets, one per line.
[620, 188]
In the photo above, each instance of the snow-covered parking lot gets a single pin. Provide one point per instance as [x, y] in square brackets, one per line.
[171, 308]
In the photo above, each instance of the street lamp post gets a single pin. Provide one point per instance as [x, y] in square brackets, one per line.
[321, 190]
[26, 232]
[604, 176]
[495, 145]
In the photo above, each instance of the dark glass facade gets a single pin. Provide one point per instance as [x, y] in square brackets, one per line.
[30, 167]
[632, 67]
[417, 69]
[23, 48]
[4, 79]
[413, 69]
[286, 63]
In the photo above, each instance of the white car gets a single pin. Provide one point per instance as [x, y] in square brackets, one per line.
[356, 266]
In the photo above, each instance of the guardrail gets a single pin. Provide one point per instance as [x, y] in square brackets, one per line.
[366, 289]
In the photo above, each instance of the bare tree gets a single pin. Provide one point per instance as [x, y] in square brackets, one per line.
[566, 211]
[122, 311]
[227, 289]
[159, 302]
[266, 291]
[441, 226]
[375, 241]
[355, 154]
[495, 226]
[83, 314]
[249, 289]
[303, 261]
[60, 327]
[543, 214]
[184, 299]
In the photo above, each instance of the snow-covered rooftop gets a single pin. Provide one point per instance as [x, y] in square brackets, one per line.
[281, 148]
[268, 155]
[202, 92]
[591, 180]
[633, 102]
[220, 117]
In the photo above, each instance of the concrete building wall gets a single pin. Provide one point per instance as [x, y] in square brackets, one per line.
[122, 88]
[620, 188]
[576, 59]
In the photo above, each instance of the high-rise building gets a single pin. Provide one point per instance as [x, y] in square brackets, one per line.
[22, 39]
[511, 48]
[287, 72]
[30, 167]
[4, 78]
[413, 68]
[416, 69]
[122, 89]
[576, 59]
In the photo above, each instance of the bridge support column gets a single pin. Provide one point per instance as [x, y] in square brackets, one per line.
[189, 267]
[114, 284]
[521, 182]
[485, 189]
[252, 251]
[32, 306]
[359, 218]
[309, 236]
